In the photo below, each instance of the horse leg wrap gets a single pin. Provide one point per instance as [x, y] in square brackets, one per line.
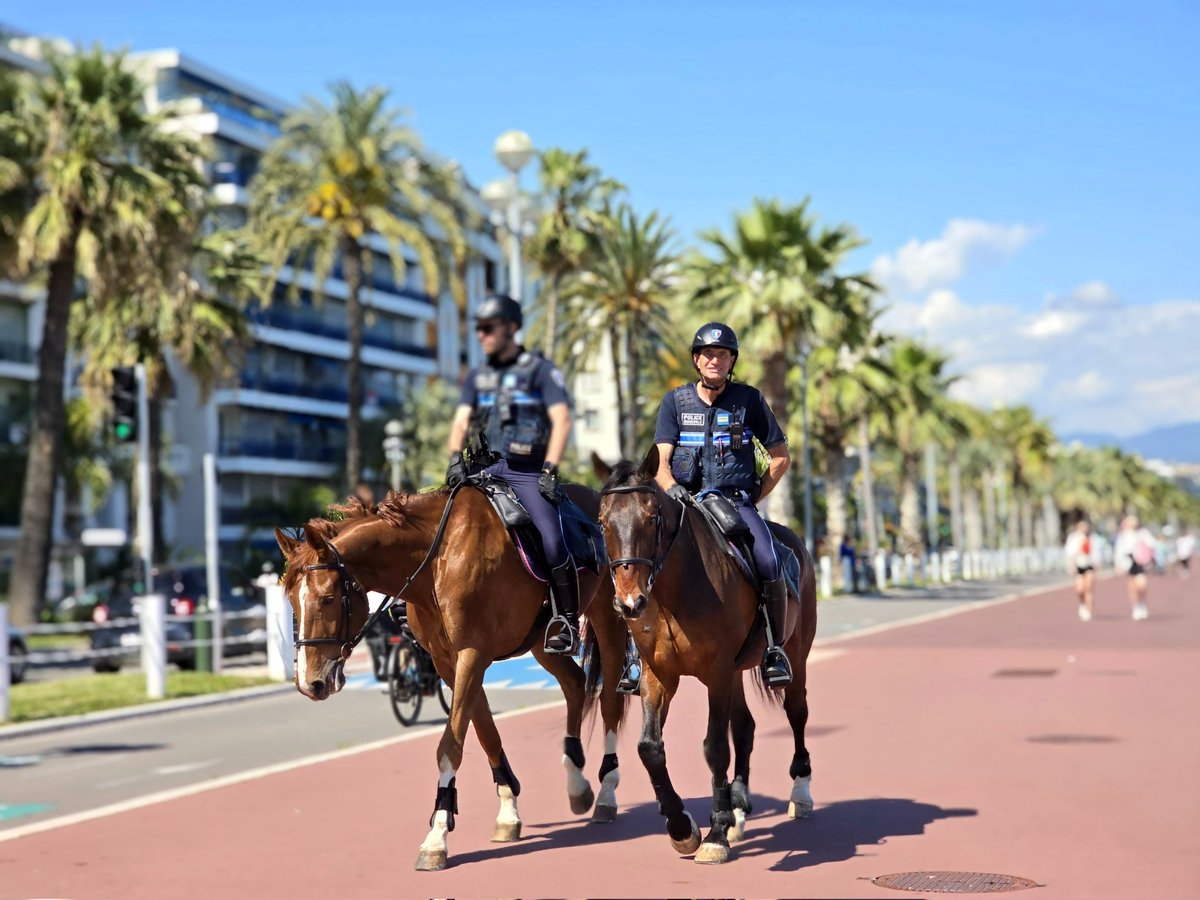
[447, 801]
[801, 765]
[608, 764]
[503, 774]
[573, 750]
[740, 794]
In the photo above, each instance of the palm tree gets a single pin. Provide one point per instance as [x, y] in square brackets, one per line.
[920, 383]
[849, 375]
[766, 279]
[105, 183]
[338, 177]
[624, 295]
[577, 200]
[196, 319]
[1026, 441]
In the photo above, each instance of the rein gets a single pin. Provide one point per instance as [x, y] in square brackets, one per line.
[350, 583]
[655, 565]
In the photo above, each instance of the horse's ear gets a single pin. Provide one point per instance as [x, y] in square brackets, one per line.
[650, 464]
[287, 543]
[317, 541]
[602, 469]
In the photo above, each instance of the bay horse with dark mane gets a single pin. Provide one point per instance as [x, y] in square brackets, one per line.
[470, 601]
[698, 616]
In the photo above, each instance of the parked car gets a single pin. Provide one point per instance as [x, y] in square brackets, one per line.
[186, 588]
[79, 606]
[18, 654]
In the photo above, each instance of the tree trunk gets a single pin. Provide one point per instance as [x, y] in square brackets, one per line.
[1012, 518]
[956, 510]
[552, 315]
[989, 504]
[911, 540]
[779, 505]
[835, 501]
[614, 346]
[352, 270]
[633, 358]
[864, 454]
[27, 587]
[1027, 539]
[972, 519]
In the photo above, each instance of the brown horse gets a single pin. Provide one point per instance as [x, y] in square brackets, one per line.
[470, 603]
[700, 614]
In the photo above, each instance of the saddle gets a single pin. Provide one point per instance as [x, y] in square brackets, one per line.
[583, 537]
[733, 536]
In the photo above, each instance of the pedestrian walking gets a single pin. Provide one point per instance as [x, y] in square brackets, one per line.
[1185, 546]
[1133, 554]
[1079, 551]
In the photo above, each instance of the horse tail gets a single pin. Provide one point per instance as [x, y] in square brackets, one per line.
[773, 697]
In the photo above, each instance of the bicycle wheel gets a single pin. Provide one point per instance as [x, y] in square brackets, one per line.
[404, 687]
[445, 694]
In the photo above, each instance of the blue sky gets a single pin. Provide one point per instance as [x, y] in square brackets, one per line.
[1077, 124]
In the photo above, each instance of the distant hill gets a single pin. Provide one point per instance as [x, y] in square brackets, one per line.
[1174, 443]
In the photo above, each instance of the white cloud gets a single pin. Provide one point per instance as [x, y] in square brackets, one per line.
[920, 266]
[1093, 295]
[1090, 385]
[1054, 323]
[1000, 384]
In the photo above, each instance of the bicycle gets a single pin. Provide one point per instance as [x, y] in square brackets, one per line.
[407, 668]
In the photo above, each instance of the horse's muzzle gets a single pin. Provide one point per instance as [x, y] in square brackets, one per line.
[631, 608]
[324, 688]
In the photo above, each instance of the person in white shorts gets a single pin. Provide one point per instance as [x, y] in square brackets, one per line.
[1080, 560]
[1185, 546]
[1133, 554]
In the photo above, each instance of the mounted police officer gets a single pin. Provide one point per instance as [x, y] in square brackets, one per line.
[704, 442]
[515, 411]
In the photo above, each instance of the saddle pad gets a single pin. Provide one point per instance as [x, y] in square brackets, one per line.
[738, 550]
[584, 540]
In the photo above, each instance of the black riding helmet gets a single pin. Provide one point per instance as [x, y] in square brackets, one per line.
[500, 306]
[715, 334]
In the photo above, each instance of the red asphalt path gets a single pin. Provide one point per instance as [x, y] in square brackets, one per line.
[1082, 776]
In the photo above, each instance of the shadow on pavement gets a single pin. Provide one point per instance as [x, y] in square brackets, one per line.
[835, 832]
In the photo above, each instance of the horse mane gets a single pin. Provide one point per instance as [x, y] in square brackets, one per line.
[625, 473]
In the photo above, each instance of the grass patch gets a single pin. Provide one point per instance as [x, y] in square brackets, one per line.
[92, 693]
[65, 641]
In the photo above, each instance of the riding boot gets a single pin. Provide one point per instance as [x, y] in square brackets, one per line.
[776, 670]
[562, 634]
[631, 677]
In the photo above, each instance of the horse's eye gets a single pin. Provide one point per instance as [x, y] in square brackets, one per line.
[327, 599]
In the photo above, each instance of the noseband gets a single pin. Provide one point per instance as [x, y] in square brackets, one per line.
[655, 565]
[349, 583]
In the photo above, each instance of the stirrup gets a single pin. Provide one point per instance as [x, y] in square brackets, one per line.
[554, 642]
[775, 668]
[631, 678]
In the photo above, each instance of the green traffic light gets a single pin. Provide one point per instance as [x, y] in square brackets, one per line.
[123, 431]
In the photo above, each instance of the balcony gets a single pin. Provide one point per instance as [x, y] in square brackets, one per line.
[301, 451]
[307, 320]
[382, 279]
[16, 351]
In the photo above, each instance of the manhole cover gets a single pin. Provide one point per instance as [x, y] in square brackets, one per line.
[1025, 673]
[954, 882]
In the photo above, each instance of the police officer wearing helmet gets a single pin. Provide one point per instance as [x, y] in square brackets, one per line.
[515, 406]
[704, 443]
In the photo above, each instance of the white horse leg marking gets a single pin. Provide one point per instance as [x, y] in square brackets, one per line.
[801, 804]
[608, 784]
[508, 820]
[434, 848]
[737, 832]
[579, 789]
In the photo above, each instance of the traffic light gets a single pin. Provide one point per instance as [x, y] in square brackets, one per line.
[125, 404]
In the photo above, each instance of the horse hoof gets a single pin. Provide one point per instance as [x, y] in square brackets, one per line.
[712, 854]
[799, 810]
[690, 843]
[506, 832]
[431, 861]
[737, 831]
[582, 803]
[602, 815]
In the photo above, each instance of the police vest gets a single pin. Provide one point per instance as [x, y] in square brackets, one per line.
[510, 414]
[714, 450]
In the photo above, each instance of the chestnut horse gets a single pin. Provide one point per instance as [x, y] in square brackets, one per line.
[470, 601]
[697, 615]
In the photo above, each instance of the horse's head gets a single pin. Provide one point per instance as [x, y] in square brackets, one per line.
[631, 516]
[330, 607]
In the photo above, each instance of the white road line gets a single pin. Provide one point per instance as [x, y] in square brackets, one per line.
[240, 777]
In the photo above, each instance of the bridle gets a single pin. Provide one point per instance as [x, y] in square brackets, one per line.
[656, 563]
[350, 583]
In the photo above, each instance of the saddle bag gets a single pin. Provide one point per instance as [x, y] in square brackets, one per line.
[725, 514]
[505, 502]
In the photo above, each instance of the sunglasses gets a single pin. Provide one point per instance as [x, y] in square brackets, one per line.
[487, 327]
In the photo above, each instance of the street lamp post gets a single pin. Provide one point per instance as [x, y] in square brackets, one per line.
[393, 449]
[806, 456]
[514, 150]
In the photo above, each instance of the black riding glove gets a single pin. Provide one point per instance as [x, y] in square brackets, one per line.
[678, 492]
[456, 473]
[548, 482]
